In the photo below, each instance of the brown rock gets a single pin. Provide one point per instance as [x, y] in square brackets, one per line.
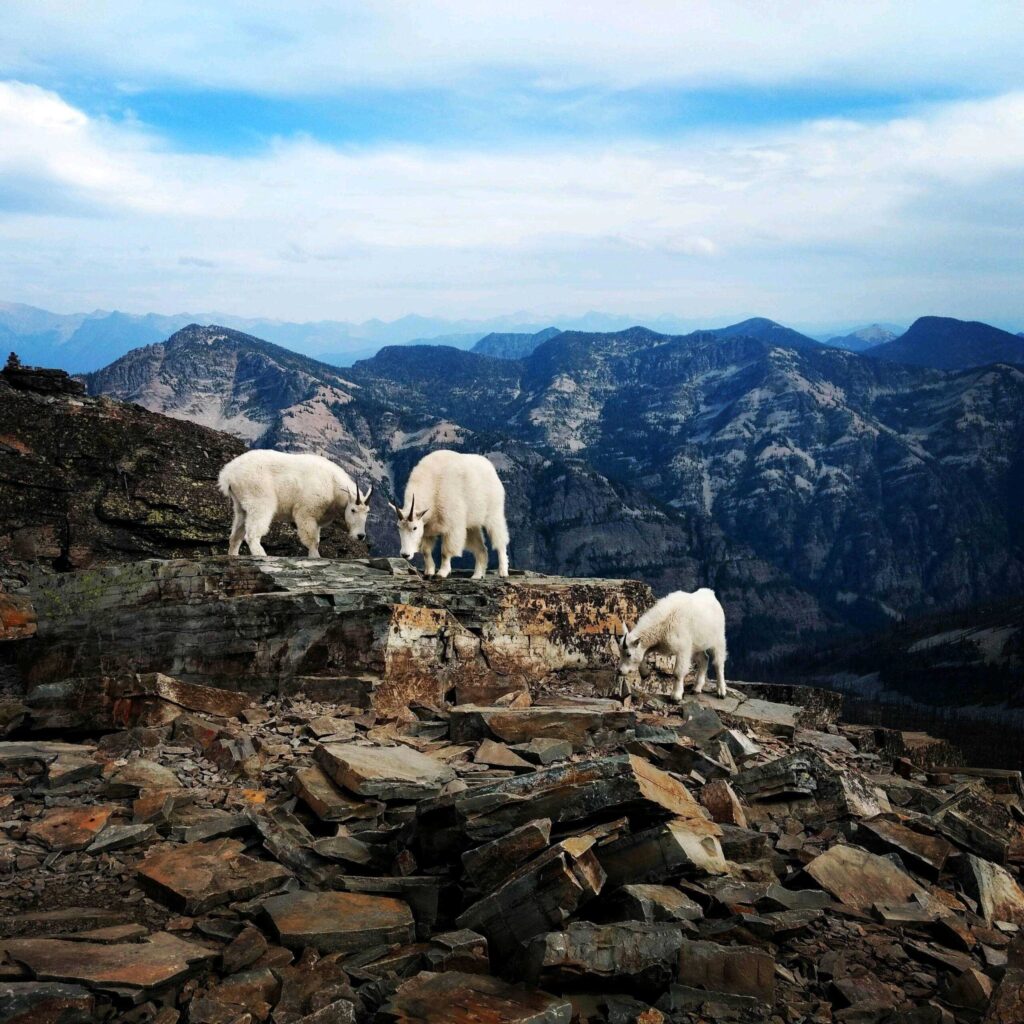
[244, 949]
[388, 773]
[545, 750]
[999, 896]
[971, 990]
[136, 776]
[537, 898]
[497, 755]
[722, 804]
[654, 903]
[207, 700]
[134, 966]
[630, 953]
[928, 853]
[657, 854]
[739, 970]
[490, 864]
[461, 950]
[70, 828]
[17, 616]
[566, 794]
[458, 998]
[861, 879]
[196, 877]
[581, 725]
[1007, 1006]
[46, 1002]
[338, 921]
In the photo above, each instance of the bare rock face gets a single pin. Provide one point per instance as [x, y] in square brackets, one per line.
[255, 624]
[89, 481]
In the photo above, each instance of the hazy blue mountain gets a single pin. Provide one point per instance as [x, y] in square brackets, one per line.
[766, 330]
[948, 344]
[860, 339]
[82, 342]
[513, 346]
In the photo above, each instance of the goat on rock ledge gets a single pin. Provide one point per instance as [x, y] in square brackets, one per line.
[456, 497]
[685, 625]
[265, 485]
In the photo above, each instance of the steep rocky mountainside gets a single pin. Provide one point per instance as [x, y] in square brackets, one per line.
[88, 481]
[810, 486]
[949, 344]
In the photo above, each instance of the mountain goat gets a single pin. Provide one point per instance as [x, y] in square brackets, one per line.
[265, 485]
[455, 497]
[686, 625]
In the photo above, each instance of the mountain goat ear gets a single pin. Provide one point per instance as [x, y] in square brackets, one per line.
[624, 642]
[420, 515]
[396, 510]
[366, 496]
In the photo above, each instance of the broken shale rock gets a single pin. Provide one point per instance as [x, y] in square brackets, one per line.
[458, 998]
[677, 847]
[197, 877]
[488, 865]
[331, 922]
[386, 773]
[638, 954]
[134, 968]
[540, 896]
[861, 879]
[583, 726]
[578, 793]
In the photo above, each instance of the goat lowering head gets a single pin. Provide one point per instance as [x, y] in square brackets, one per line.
[631, 655]
[410, 528]
[356, 511]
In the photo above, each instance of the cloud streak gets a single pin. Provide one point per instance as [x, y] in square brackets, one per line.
[823, 218]
[323, 46]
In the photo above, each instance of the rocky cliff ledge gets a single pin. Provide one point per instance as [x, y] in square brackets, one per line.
[306, 792]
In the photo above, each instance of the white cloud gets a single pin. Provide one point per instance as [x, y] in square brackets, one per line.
[323, 45]
[803, 222]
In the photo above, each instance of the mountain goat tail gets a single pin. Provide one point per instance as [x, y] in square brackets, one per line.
[224, 484]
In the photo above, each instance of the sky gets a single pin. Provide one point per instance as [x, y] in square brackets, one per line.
[819, 163]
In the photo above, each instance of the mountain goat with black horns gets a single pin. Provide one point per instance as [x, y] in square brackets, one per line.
[456, 497]
[265, 485]
[688, 626]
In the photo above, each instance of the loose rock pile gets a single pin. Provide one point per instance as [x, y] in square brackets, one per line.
[543, 859]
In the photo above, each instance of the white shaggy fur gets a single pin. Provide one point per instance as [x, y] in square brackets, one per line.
[455, 497]
[685, 625]
[266, 485]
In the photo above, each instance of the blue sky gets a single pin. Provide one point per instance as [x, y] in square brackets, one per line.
[821, 163]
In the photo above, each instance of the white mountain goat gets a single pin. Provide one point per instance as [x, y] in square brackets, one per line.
[455, 497]
[266, 485]
[686, 625]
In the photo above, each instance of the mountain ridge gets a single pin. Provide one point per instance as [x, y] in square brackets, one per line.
[815, 489]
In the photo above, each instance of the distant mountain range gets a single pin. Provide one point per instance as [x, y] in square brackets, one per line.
[862, 338]
[83, 342]
[818, 490]
[949, 344]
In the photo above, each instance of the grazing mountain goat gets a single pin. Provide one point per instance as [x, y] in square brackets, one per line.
[455, 497]
[686, 625]
[266, 485]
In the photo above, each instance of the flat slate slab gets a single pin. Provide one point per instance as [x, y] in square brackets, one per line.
[134, 966]
[196, 877]
[388, 773]
[581, 725]
[70, 828]
[861, 879]
[334, 922]
[457, 998]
